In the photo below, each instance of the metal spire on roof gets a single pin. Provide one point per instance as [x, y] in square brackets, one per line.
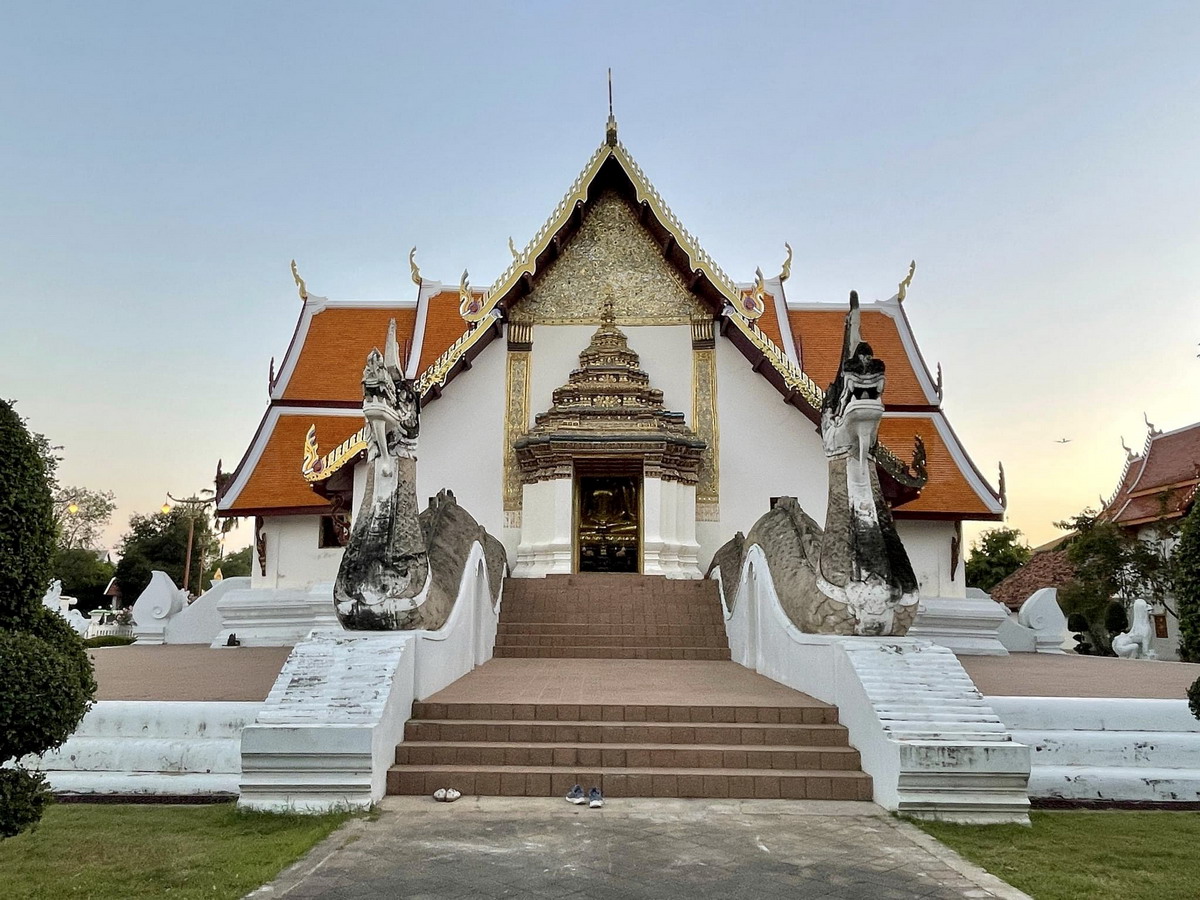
[611, 131]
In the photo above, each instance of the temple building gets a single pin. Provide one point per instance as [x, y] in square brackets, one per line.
[613, 402]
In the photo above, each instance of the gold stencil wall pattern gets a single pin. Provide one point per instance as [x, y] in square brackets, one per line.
[516, 422]
[704, 423]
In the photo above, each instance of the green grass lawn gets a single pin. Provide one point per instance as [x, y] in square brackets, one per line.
[115, 851]
[1110, 855]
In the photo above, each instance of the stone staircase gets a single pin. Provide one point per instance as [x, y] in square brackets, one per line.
[646, 704]
[611, 617]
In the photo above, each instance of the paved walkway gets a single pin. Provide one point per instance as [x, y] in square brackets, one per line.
[616, 682]
[1068, 675]
[186, 672]
[661, 849]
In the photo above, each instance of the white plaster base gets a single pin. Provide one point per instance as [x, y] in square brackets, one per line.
[275, 617]
[966, 625]
[138, 747]
[1107, 749]
[547, 530]
[931, 744]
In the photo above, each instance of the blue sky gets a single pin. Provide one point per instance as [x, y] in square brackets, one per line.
[160, 164]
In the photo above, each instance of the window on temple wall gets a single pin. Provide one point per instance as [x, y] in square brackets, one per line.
[335, 531]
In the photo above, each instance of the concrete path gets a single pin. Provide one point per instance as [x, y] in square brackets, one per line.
[661, 849]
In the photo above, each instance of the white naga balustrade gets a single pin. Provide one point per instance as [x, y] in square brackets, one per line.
[328, 731]
[932, 745]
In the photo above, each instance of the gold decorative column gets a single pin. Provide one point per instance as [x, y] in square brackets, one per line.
[516, 415]
[704, 418]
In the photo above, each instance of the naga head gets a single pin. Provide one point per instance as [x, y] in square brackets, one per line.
[854, 402]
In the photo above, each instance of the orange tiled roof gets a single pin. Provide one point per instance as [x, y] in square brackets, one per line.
[339, 338]
[948, 491]
[276, 482]
[1161, 482]
[818, 334]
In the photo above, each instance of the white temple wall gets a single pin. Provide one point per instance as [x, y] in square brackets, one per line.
[767, 449]
[928, 546]
[461, 445]
[293, 558]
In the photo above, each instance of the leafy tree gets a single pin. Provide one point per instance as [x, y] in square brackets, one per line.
[232, 565]
[1186, 564]
[84, 576]
[160, 541]
[997, 554]
[1111, 564]
[45, 673]
[80, 515]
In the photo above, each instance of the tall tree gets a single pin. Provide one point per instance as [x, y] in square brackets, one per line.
[160, 541]
[997, 554]
[1187, 588]
[231, 565]
[80, 515]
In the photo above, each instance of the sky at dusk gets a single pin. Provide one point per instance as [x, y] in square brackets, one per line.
[160, 164]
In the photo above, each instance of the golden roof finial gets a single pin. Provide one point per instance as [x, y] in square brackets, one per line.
[786, 272]
[300, 286]
[903, 292]
[512, 248]
[412, 264]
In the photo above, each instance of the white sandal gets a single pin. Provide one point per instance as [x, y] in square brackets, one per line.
[440, 795]
[452, 795]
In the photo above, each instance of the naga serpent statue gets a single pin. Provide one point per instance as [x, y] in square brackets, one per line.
[402, 567]
[853, 577]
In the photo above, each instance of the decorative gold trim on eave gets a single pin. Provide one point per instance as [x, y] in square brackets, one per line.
[793, 376]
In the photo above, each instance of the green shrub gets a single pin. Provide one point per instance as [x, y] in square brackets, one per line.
[1077, 622]
[26, 521]
[108, 640]
[1193, 696]
[1116, 620]
[46, 681]
[23, 798]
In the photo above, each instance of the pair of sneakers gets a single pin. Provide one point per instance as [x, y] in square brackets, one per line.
[446, 795]
[593, 798]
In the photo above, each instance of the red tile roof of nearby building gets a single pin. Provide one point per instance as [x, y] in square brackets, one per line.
[1161, 482]
[335, 346]
[1050, 569]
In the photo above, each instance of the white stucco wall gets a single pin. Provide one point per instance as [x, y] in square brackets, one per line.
[768, 449]
[928, 546]
[462, 440]
[293, 558]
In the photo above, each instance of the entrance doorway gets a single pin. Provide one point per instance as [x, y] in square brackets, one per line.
[608, 523]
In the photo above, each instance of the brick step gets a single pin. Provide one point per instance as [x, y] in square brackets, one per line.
[576, 652]
[666, 756]
[631, 629]
[623, 580]
[646, 613]
[815, 713]
[547, 781]
[592, 732]
[591, 639]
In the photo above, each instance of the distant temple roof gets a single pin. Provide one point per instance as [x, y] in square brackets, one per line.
[795, 347]
[1049, 569]
[1160, 482]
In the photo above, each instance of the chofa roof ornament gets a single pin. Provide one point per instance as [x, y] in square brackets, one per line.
[412, 265]
[470, 307]
[902, 292]
[301, 287]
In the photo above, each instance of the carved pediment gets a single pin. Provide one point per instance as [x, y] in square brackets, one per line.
[612, 254]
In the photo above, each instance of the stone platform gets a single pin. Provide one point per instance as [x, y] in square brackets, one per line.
[1068, 675]
[186, 672]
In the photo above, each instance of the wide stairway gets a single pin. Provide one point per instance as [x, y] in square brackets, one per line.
[611, 617]
[622, 682]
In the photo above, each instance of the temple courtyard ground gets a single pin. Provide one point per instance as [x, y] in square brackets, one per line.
[662, 849]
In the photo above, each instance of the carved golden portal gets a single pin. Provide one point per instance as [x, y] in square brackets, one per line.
[608, 526]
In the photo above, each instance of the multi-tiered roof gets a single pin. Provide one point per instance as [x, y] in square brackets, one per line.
[316, 396]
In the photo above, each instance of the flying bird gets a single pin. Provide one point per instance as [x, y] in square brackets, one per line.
[1063, 441]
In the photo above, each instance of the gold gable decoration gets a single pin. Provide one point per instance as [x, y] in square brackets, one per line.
[612, 254]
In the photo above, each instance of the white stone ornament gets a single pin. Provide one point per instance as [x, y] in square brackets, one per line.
[1135, 643]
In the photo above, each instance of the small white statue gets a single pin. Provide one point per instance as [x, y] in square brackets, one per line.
[1135, 643]
[52, 599]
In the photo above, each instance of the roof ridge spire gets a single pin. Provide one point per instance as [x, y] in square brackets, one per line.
[610, 131]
